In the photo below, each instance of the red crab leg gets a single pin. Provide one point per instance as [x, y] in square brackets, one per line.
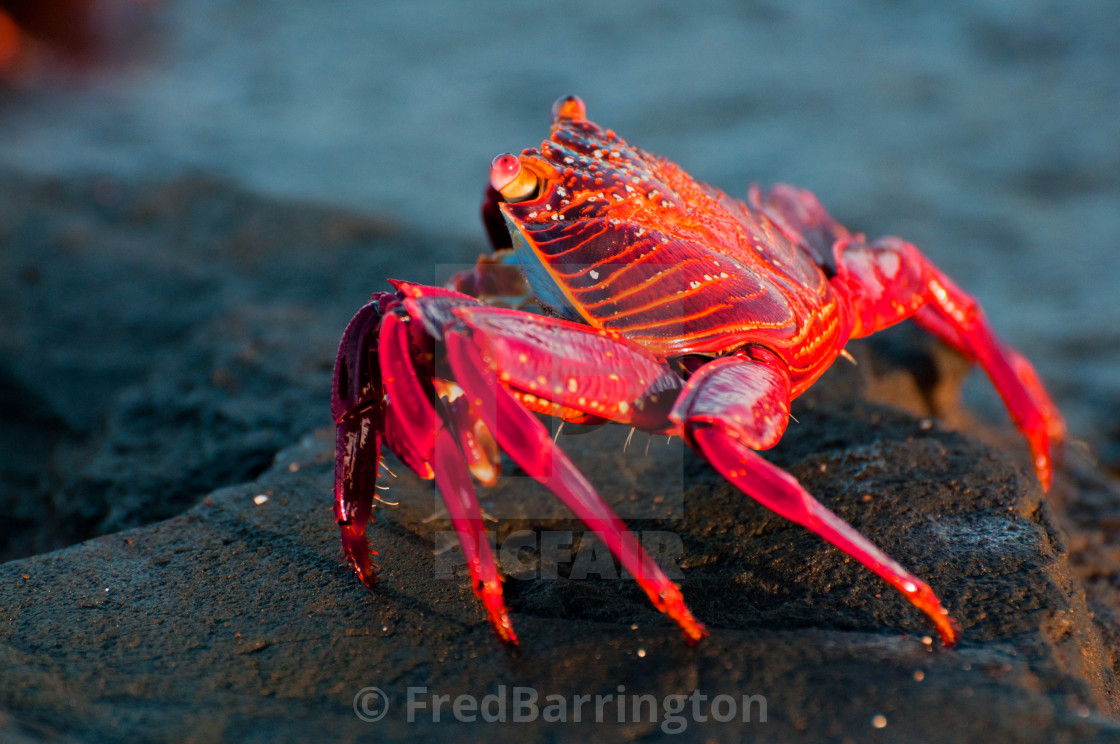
[405, 394]
[526, 440]
[423, 432]
[734, 404]
[454, 482]
[890, 279]
[957, 319]
[575, 366]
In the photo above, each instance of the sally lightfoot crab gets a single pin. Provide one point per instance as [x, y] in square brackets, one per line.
[672, 308]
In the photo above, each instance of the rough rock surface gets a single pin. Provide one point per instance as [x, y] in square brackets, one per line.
[158, 342]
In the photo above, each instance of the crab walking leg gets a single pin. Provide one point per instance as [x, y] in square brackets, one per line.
[725, 426]
[780, 492]
[405, 393]
[526, 440]
[956, 319]
[424, 431]
[359, 415]
[454, 483]
[890, 280]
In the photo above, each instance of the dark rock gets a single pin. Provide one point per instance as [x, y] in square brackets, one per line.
[236, 620]
[160, 341]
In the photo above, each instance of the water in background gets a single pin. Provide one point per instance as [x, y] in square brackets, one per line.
[987, 132]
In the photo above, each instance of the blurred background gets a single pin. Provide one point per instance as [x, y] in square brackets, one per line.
[986, 132]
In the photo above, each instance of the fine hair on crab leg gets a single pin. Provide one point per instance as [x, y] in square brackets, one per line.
[735, 404]
[527, 441]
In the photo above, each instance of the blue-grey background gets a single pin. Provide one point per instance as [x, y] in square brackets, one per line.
[987, 132]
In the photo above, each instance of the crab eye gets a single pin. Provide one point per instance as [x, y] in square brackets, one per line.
[569, 108]
[514, 183]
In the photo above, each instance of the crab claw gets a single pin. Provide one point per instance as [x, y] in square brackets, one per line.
[359, 414]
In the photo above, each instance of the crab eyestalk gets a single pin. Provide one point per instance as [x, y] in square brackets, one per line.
[569, 108]
[513, 182]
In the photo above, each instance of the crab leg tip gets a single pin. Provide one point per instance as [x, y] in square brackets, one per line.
[922, 597]
[671, 602]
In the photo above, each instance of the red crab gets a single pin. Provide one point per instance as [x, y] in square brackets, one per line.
[672, 308]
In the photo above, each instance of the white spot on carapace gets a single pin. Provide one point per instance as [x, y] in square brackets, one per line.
[593, 274]
[260, 498]
[890, 263]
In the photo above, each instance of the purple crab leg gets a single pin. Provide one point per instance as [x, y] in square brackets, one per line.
[359, 415]
[526, 440]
